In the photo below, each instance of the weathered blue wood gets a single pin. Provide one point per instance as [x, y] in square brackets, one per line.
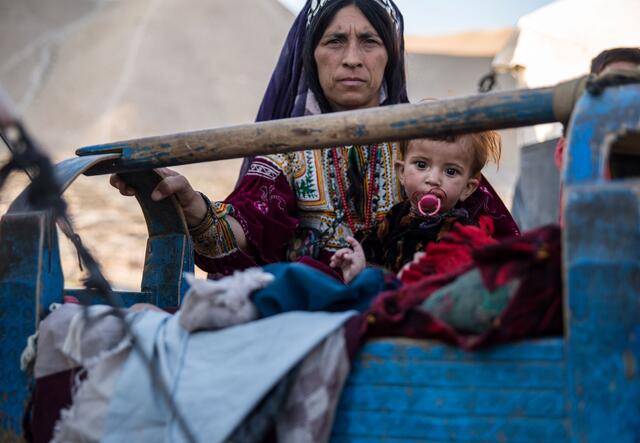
[597, 122]
[169, 250]
[602, 257]
[548, 349]
[31, 274]
[30, 279]
[360, 439]
[451, 374]
[166, 259]
[426, 391]
[402, 425]
[456, 401]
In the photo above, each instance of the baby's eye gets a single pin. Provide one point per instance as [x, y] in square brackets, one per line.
[421, 164]
[451, 172]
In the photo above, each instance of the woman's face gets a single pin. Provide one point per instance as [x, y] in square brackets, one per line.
[351, 59]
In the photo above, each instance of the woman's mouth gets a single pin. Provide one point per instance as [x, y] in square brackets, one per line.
[351, 81]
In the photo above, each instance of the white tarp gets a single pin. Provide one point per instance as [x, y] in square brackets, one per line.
[558, 41]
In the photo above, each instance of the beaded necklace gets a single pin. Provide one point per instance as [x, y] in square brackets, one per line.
[372, 190]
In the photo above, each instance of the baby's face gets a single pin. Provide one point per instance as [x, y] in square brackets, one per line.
[439, 168]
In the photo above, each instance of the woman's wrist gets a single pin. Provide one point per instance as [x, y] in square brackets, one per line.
[213, 236]
[200, 223]
[197, 210]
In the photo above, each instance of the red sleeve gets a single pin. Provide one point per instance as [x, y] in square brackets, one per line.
[265, 206]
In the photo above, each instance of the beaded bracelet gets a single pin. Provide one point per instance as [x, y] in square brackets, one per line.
[213, 236]
[207, 221]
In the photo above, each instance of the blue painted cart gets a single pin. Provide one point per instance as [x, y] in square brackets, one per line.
[583, 387]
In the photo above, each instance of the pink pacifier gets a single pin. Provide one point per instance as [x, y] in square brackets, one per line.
[429, 205]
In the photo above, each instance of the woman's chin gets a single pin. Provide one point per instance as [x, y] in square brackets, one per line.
[350, 101]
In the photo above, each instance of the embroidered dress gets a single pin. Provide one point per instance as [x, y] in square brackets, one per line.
[289, 205]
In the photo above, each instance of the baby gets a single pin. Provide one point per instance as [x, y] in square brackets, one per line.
[436, 174]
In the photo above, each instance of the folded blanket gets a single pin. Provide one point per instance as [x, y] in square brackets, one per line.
[216, 377]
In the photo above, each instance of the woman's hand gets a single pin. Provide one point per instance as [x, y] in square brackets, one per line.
[350, 260]
[172, 183]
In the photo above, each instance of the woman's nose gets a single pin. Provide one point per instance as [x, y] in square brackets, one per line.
[352, 55]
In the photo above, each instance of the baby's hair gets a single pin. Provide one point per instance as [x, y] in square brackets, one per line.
[486, 145]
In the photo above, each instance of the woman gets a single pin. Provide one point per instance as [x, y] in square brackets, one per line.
[339, 55]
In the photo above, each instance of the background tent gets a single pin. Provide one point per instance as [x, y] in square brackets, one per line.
[558, 41]
[552, 44]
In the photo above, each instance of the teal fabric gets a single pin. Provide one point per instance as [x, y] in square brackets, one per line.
[298, 287]
[467, 305]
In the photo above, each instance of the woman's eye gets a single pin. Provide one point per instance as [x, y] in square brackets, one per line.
[451, 171]
[332, 42]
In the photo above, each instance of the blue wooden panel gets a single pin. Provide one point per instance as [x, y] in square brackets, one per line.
[169, 250]
[607, 239]
[30, 276]
[163, 268]
[401, 425]
[603, 284]
[452, 402]
[548, 349]
[447, 374]
[364, 439]
[595, 123]
[413, 390]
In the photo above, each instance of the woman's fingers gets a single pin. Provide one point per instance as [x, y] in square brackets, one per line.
[166, 172]
[170, 185]
[192, 203]
[121, 186]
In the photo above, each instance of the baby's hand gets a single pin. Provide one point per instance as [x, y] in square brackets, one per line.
[350, 260]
